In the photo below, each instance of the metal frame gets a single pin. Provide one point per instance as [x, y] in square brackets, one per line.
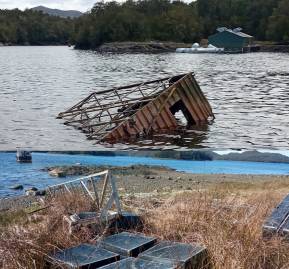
[99, 198]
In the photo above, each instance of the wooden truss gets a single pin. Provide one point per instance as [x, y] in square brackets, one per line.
[139, 109]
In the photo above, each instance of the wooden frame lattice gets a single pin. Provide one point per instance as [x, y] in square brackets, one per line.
[102, 111]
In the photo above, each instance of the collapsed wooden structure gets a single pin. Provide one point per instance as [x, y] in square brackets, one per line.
[138, 110]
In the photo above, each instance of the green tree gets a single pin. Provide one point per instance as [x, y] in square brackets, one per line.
[278, 28]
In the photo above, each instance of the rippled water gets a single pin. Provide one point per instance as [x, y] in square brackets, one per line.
[249, 94]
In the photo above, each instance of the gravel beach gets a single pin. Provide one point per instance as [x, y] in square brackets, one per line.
[142, 179]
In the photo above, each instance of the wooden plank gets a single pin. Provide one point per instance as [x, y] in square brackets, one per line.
[106, 178]
[95, 192]
[162, 102]
[149, 112]
[115, 193]
[163, 113]
[190, 104]
[157, 115]
[274, 222]
[203, 97]
[197, 104]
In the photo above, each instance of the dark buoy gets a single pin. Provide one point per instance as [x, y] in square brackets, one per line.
[23, 156]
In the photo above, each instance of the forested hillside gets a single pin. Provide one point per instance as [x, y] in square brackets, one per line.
[33, 28]
[183, 22]
[146, 20]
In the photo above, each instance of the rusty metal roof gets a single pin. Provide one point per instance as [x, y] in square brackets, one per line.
[140, 109]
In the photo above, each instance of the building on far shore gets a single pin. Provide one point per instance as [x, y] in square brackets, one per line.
[232, 40]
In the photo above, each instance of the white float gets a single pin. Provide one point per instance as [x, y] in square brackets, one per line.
[196, 48]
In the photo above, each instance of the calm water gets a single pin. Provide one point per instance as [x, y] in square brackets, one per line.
[12, 173]
[249, 94]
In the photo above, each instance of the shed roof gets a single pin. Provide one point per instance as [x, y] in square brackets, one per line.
[239, 33]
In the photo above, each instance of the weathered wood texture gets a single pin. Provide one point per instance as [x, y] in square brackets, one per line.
[278, 221]
[140, 109]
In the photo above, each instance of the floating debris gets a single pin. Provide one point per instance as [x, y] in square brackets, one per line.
[139, 110]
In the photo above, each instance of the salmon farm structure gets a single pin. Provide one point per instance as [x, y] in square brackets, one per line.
[139, 110]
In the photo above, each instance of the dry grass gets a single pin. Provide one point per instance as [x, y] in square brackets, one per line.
[230, 226]
[26, 243]
[227, 218]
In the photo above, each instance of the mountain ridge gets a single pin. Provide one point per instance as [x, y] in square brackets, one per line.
[58, 12]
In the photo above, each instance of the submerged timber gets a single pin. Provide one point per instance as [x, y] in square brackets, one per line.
[139, 110]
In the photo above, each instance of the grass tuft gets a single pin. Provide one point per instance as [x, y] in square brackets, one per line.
[227, 218]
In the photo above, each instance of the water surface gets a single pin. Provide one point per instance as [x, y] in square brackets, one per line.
[249, 94]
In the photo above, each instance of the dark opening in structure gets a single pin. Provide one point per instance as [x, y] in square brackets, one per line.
[180, 107]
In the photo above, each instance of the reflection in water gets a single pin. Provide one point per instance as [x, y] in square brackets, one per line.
[248, 93]
[180, 139]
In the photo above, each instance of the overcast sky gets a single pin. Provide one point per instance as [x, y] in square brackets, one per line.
[82, 5]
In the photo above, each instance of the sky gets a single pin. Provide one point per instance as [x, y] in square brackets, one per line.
[81, 5]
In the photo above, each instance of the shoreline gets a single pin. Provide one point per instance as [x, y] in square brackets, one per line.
[213, 211]
[166, 46]
[142, 181]
[262, 156]
[148, 47]
[141, 47]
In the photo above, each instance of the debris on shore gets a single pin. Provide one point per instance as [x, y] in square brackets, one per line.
[218, 214]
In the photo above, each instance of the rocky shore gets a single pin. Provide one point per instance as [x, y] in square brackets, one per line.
[159, 47]
[145, 180]
[141, 47]
[274, 48]
[157, 179]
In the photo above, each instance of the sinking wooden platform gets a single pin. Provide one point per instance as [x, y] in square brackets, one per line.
[139, 110]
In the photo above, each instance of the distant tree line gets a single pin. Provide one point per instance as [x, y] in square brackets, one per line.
[146, 20]
[33, 28]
